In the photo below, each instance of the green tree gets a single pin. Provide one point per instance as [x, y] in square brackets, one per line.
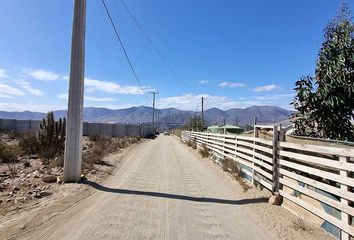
[303, 103]
[194, 123]
[326, 109]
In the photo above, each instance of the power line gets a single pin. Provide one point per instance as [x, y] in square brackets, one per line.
[153, 45]
[125, 52]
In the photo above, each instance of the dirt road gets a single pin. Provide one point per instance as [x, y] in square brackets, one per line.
[162, 191]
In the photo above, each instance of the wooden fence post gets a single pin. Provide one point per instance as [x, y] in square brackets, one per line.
[281, 134]
[344, 216]
[255, 135]
[275, 160]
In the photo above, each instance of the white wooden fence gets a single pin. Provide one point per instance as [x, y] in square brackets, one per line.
[325, 174]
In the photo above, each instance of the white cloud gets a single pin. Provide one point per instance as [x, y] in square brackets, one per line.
[30, 107]
[8, 90]
[3, 74]
[112, 87]
[88, 98]
[274, 97]
[28, 88]
[191, 101]
[97, 99]
[203, 82]
[63, 96]
[232, 84]
[43, 75]
[6, 96]
[265, 88]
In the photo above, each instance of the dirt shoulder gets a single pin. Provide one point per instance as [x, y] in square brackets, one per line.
[277, 220]
[28, 214]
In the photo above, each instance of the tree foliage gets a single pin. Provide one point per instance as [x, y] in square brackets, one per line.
[325, 102]
[195, 124]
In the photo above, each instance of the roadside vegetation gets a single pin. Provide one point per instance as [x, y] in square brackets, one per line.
[227, 164]
[204, 151]
[234, 168]
[31, 163]
[324, 102]
[99, 147]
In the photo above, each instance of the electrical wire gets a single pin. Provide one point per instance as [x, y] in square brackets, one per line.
[153, 45]
[123, 48]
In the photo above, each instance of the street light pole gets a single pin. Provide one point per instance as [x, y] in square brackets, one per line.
[202, 113]
[73, 143]
[153, 109]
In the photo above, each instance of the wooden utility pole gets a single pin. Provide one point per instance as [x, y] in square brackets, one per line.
[153, 109]
[73, 143]
[202, 113]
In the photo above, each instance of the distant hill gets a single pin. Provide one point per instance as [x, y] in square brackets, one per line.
[265, 114]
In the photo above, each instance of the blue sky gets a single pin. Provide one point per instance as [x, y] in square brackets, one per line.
[234, 53]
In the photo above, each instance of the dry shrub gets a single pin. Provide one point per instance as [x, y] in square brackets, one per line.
[135, 139]
[29, 143]
[13, 171]
[194, 143]
[93, 137]
[8, 154]
[99, 147]
[204, 151]
[299, 224]
[97, 151]
[234, 168]
[189, 143]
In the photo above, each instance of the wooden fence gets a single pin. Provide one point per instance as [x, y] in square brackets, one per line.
[324, 174]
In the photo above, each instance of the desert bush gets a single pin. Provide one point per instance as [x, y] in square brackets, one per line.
[51, 137]
[93, 137]
[231, 166]
[13, 171]
[189, 143]
[8, 154]
[299, 224]
[135, 139]
[97, 150]
[234, 168]
[194, 143]
[100, 147]
[204, 151]
[29, 143]
[10, 134]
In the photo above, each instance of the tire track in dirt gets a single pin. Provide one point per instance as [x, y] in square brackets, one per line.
[161, 192]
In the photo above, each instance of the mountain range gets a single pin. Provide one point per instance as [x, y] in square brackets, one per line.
[167, 116]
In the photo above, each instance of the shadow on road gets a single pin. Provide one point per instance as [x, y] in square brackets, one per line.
[175, 196]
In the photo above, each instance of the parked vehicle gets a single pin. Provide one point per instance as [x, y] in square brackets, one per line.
[166, 132]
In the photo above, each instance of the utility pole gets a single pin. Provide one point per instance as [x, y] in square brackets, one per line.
[73, 143]
[202, 113]
[153, 109]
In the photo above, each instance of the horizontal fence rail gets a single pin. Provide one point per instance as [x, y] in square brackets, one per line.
[319, 179]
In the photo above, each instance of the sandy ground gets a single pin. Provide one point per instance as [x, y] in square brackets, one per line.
[162, 190]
